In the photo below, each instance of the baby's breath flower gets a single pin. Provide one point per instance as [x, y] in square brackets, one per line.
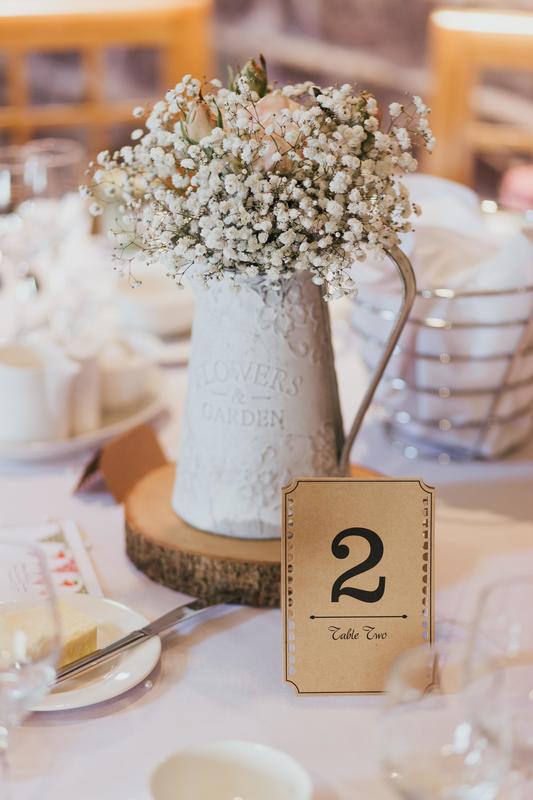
[421, 107]
[255, 184]
[95, 209]
[339, 183]
[371, 124]
[395, 109]
[402, 135]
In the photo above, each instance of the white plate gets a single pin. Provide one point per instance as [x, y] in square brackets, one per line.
[164, 352]
[155, 306]
[241, 770]
[113, 425]
[115, 676]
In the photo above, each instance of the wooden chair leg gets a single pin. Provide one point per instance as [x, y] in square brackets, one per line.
[451, 102]
[17, 92]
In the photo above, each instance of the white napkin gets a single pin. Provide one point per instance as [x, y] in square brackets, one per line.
[87, 391]
[126, 375]
[50, 224]
[462, 255]
[83, 411]
[36, 383]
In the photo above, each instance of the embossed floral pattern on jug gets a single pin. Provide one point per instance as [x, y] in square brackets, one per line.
[262, 405]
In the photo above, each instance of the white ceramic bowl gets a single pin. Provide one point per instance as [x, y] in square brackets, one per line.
[126, 376]
[126, 385]
[156, 306]
[230, 770]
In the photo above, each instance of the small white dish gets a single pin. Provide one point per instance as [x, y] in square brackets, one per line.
[126, 376]
[156, 305]
[113, 424]
[230, 770]
[116, 676]
[163, 352]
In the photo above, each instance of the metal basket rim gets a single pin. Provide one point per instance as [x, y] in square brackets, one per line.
[374, 340]
[443, 293]
[438, 323]
[474, 424]
[477, 392]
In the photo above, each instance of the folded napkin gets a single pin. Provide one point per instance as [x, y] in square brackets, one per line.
[463, 376]
[57, 386]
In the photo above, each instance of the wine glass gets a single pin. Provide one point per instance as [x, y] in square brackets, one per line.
[14, 190]
[54, 216]
[43, 213]
[53, 208]
[502, 646]
[38, 192]
[15, 180]
[29, 638]
[434, 740]
[54, 166]
[17, 185]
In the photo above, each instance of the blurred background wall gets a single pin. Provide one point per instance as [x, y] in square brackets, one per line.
[382, 44]
[385, 46]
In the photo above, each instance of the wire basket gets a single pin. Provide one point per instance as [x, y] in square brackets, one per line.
[460, 382]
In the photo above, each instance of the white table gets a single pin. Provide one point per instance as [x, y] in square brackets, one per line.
[223, 677]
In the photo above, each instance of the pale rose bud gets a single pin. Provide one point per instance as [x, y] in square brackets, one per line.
[255, 76]
[200, 122]
[282, 135]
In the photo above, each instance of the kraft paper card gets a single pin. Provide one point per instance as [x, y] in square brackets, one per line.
[358, 580]
[122, 462]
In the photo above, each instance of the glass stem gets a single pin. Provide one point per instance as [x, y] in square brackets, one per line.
[5, 793]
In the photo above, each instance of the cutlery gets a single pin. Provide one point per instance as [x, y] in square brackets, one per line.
[168, 620]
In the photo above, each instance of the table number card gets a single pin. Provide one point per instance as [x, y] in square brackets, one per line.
[358, 580]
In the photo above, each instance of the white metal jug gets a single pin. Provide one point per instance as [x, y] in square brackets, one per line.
[262, 403]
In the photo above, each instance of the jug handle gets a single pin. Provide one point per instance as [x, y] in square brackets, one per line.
[407, 275]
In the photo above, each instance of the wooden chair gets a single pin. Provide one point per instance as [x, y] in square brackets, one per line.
[462, 44]
[178, 29]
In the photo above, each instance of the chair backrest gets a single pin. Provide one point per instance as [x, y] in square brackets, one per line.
[462, 44]
[180, 31]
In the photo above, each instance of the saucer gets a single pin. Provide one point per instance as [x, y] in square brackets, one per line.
[116, 676]
[113, 424]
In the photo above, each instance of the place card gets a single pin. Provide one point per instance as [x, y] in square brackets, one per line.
[122, 462]
[357, 580]
[62, 544]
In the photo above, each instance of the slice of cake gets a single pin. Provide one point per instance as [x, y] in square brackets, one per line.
[26, 634]
[78, 634]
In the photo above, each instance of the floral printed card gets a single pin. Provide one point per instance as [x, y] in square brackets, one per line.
[69, 564]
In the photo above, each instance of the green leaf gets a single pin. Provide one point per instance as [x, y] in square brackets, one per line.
[220, 121]
[185, 134]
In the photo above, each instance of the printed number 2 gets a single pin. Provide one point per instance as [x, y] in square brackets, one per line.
[340, 550]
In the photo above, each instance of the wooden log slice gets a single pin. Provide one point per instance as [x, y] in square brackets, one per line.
[216, 569]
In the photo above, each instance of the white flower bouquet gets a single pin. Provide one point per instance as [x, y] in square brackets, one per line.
[250, 181]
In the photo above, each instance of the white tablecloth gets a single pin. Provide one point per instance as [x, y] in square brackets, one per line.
[222, 678]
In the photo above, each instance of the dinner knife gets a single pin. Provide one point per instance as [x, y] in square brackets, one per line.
[168, 620]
